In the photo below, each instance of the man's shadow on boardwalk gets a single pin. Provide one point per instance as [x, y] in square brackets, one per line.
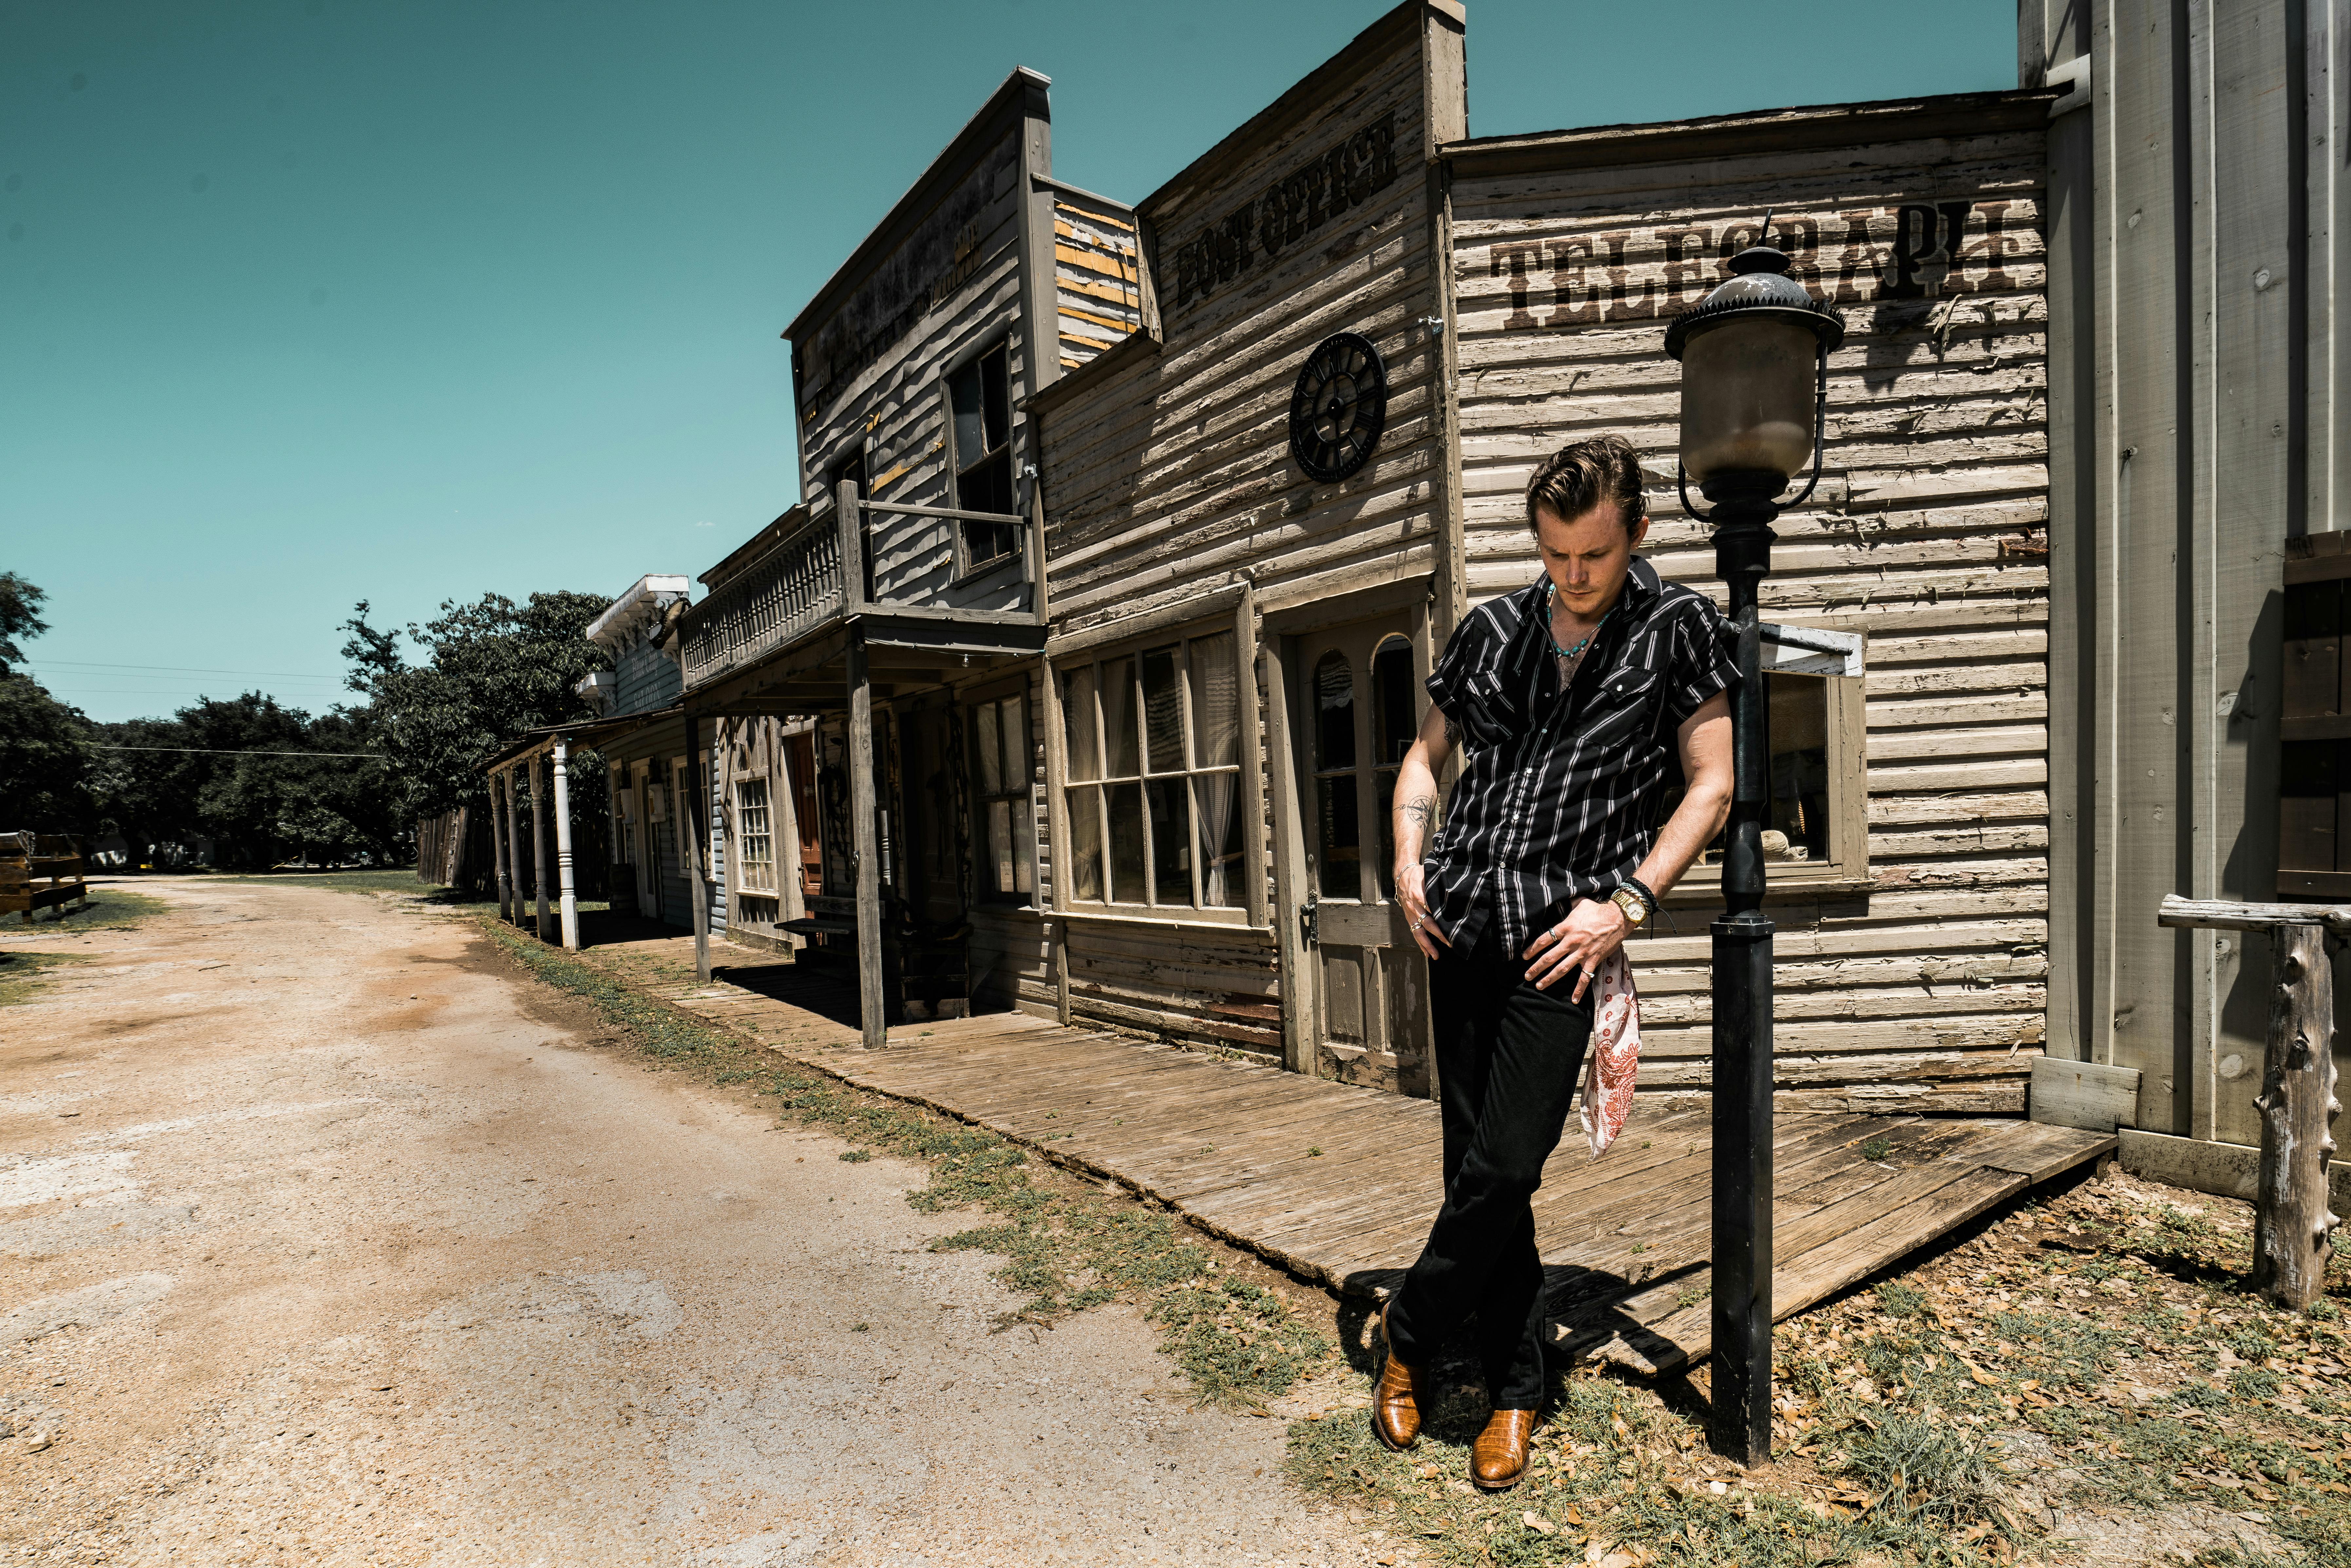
[1581, 1305]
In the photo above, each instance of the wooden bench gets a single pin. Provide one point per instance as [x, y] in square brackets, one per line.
[29, 860]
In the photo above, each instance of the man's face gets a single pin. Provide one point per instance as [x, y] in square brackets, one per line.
[1587, 556]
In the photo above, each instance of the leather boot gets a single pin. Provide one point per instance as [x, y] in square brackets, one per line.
[1395, 1403]
[1499, 1457]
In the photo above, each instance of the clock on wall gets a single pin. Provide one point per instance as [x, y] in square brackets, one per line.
[1339, 407]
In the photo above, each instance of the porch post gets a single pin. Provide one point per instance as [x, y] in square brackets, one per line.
[499, 849]
[514, 844]
[541, 923]
[697, 808]
[867, 855]
[570, 903]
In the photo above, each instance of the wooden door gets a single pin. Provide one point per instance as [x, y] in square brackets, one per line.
[801, 765]
[649, 848]
[1359, 700]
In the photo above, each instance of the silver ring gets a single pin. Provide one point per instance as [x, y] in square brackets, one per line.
[1591, 973]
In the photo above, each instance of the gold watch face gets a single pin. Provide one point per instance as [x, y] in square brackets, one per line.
[1630, 903]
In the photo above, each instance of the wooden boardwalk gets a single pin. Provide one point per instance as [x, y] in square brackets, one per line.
[1339, 1183]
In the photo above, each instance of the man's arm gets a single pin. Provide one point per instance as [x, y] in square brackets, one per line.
[1594, 929]
[1414, 813]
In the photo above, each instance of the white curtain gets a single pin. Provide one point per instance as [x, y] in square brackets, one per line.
[1216, 735]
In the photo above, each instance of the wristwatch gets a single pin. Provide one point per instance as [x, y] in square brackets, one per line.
[1628, 898]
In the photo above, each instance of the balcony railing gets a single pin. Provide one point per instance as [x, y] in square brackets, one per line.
[800, 584]
[792, 588]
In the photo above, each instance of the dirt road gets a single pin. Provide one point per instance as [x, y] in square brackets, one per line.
[325, 1239]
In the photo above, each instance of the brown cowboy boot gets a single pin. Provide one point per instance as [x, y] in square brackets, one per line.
[1395, 1404]
[1499, 1457]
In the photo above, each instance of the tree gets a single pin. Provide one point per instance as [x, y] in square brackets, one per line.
[45, 757]
[492, 671]
[216, 770]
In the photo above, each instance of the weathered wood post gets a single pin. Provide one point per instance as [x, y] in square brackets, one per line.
[498, 848]
[2292, 1220]
[864, 807]
[696, 811]
[543, 921]
[570, 901]
[514, 844]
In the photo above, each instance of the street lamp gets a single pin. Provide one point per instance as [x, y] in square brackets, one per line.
[1755, 387]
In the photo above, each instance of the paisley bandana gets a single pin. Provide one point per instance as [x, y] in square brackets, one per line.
[1614, 1055]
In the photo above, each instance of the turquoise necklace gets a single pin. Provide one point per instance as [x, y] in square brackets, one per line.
[1569, 655]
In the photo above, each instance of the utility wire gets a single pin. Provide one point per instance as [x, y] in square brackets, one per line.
[219, 752]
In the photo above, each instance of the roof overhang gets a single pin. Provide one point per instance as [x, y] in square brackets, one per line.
[644, 601]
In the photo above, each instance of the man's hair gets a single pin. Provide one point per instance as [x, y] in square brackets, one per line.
[1582, 474]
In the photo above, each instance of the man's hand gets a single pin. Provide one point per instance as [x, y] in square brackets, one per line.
[1411, 892]
[1595, 928]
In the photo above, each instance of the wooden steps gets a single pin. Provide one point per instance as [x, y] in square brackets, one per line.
[1339, 1183]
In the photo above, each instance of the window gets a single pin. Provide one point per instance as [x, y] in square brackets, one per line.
[1000, 763]
[2315, 735]
[755, 844]
[979, 401]
[1818, 831]
[1339, 870]
[1153, 787]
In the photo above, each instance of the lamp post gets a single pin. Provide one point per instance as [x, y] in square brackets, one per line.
[1754, 356]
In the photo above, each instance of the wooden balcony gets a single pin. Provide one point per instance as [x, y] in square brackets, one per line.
[815, 582]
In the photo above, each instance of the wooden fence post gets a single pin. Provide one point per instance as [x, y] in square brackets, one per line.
[2292, 1219]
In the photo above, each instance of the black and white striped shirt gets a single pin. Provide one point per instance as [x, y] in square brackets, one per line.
[1559, 791]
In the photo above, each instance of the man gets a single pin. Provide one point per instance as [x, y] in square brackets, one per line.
[1570, 700]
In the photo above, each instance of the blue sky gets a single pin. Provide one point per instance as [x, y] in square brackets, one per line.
[310, 301]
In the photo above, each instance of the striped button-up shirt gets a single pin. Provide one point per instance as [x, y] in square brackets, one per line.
[1560, 791]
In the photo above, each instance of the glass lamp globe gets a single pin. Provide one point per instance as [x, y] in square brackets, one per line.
[1750, 352]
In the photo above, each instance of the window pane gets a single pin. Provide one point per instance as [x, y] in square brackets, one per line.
[996, 381]
[1800, 763]
[1171, 839]
[990, 749]
[1334, 713]
[1125, 804]
[1223, 883]
[1018, 770]
[1392, 703]
[1340, 872]
[986, 488]
[970, 428]
[1215, 702]
[1024, 845]
[1383, 794]
[1085, 866]
[1000, 842]
[1162, 720]
[1078, 718]
[1118, 719]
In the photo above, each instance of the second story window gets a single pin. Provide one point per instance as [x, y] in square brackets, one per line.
[979, 399]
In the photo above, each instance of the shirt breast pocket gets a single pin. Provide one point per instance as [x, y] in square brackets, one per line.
[1625, 707]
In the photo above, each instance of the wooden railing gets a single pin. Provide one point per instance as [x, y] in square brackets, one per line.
[792, 589]
[802, 584]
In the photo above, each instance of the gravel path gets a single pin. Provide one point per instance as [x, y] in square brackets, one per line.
[325, 1239]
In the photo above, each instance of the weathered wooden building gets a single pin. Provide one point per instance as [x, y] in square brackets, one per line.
[898, 610]
[1130, 535]
[1513, 293]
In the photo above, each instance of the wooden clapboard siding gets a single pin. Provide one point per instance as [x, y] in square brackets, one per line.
[1193, 984]
[1097, 274]
[1167, 471]
[1928, 534]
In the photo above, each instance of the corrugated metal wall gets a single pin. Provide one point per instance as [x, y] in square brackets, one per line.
[2197, 193]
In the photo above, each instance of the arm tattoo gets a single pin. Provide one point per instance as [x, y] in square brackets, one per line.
[1421, 809]
[1452, 730]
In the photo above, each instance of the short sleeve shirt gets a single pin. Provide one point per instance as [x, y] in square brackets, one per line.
[1559, 790]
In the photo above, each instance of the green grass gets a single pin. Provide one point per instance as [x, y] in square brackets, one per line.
[21, 974]
[1066, 1247]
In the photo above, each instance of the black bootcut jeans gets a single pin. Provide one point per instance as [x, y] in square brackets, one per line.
[1508, 1056]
